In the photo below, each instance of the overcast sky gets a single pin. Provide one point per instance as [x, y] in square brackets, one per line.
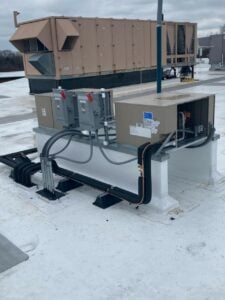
[209, 14]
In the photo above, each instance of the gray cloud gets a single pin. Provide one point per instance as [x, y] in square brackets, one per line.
[209, 15]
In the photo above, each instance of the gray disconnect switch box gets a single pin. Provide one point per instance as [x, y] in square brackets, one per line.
[82, 109]
[93, 108]
[65, 107]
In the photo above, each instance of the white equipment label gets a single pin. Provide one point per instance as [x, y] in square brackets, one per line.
[140, 131]
[147, 128]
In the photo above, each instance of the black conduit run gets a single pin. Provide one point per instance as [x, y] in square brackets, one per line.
[10, 159]
[145, 153]
[144, 195]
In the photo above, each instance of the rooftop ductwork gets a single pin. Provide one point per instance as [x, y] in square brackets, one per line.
[66, 34]
[35, 31]
[43, 62]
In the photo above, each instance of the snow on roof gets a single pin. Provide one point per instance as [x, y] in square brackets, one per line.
[15, 98]
[12, 74]
[78, 251]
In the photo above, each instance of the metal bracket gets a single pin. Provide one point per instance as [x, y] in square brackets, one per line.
[66, 185]
[50, 195]
[106, 200]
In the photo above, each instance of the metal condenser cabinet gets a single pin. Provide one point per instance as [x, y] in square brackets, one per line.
[151, 118]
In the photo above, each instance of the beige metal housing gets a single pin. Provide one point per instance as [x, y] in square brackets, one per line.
[97, 46]
[164, 109]
[45, 111]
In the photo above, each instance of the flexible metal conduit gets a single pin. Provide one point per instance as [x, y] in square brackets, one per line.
[47, 147]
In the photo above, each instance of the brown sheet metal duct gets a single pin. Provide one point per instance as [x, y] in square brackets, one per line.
[189, 36]
[171, 30]
[65, 29]
[39, 30]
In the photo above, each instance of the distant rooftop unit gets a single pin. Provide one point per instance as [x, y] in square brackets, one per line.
[213, 47]
[76, 52]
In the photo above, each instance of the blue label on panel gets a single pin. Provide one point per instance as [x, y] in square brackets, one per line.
[148, 115]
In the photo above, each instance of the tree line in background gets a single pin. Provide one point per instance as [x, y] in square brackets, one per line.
[10, 61]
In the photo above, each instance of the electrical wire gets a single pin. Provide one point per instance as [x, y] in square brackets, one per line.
[110, 134]
[108, 159]
[53, 155]
[208, 139]
[48, 145]
[77, 161]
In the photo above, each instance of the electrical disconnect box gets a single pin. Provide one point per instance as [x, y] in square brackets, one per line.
[83, 109]
[94, 109]
[65, 107]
